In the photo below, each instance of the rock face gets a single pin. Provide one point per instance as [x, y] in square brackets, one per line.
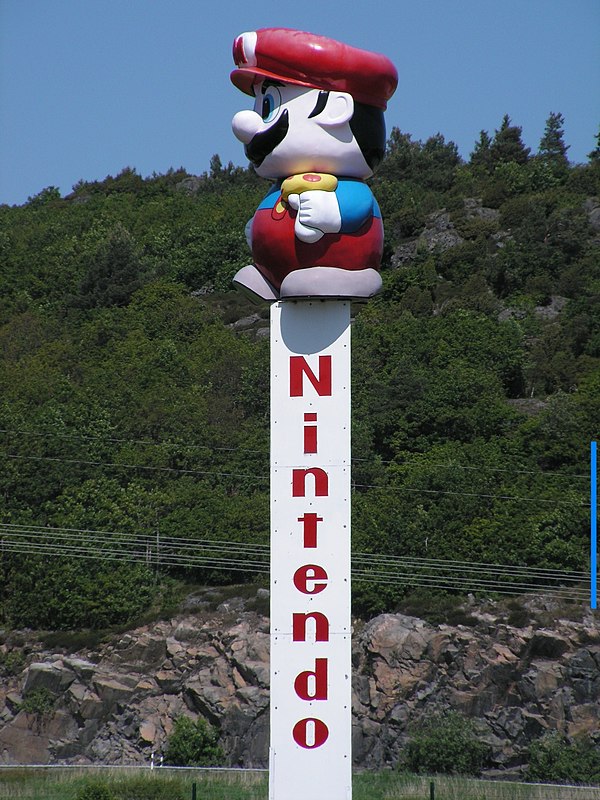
[438, 235]
[117, 704]
[516, 683]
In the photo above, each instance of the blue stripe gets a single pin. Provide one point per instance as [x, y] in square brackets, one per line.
[272, 196]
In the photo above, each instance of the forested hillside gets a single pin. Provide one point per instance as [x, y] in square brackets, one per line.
[134, 383]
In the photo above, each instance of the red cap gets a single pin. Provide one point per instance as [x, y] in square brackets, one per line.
[318, 62]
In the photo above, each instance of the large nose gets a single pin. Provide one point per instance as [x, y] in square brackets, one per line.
[246, 124]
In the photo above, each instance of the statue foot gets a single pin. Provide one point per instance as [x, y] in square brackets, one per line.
[332, 282]
[254, 285]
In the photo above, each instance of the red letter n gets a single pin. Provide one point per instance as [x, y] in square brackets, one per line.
[299, 367]
[299, 482]
[321, 626]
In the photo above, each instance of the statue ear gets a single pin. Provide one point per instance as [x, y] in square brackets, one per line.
[338, 109]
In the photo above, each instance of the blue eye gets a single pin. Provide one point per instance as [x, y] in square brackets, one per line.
[270, 104]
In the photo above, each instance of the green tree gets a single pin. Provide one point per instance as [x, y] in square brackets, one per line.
[594, 155]
[114, 273]
[216, 166]
[193, 744]
[507, 145]
[482, 152]
[437, 163]
[48, 195]
[552, 147]
[431, 165]
[401, 146]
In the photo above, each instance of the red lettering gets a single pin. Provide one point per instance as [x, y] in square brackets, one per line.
[310, 434]
[299, 626]
[313, 685]
[310, 733]
[310, 573]
[309, 532]
[299, 367]
[299, 482]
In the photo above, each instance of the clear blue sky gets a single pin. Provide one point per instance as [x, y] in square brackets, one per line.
[88, 87]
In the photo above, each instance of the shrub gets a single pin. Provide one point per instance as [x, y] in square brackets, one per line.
[148, 788]
[73, 641]
[38, 701]
[12, 663]
[131, 788]
[94, 790]
[437, 608]
[556, 758]
[446, 744]
[193, 744]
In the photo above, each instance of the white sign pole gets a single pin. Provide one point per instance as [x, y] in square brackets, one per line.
[311, 722]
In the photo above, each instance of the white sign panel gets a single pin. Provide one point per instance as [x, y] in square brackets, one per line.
[310, 551]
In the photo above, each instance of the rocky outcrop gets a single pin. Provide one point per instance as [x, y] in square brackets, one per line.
[190, 185]
[474, 209]
[516, 683]
[548, 312]
[117, 703]
[438, 235]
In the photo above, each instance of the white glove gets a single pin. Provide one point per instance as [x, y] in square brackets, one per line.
[318, 214]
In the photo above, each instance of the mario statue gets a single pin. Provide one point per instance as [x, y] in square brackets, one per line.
[317, 130]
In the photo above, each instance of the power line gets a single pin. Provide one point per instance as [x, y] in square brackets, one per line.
[139, 545]
[113, 538]
[469, 587]
[393, 489]
[138, 558]
[466, 582]
[415, 459]
[391, 571]
[264, 478]
[388, 579]
[120, 440]
[472, 566]
[212, 473]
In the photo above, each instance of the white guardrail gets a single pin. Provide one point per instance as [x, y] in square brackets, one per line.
[166, 767]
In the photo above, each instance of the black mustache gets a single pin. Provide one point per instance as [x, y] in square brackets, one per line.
[262, 144]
